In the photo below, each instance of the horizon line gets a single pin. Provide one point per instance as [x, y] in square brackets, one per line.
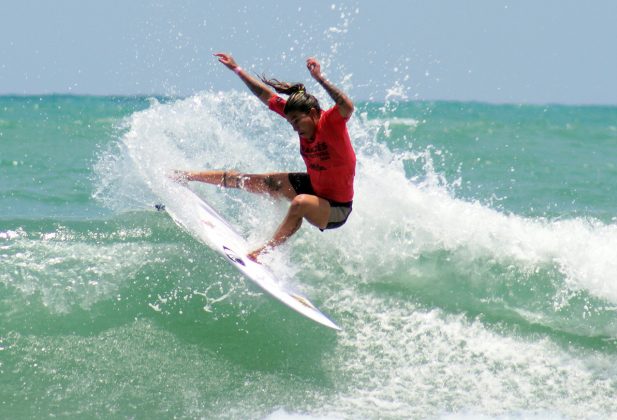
[407, 100]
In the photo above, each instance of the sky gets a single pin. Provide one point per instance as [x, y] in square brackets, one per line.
[498, 51]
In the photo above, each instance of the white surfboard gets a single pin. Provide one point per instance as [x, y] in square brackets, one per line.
[201, 221]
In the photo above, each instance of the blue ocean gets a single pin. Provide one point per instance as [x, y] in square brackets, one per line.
[475, 278]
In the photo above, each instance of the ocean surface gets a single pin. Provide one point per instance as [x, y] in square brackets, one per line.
[475, 278]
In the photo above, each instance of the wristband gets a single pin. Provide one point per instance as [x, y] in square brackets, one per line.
[237, 70]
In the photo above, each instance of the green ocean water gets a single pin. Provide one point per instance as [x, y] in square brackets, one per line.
[477, 275]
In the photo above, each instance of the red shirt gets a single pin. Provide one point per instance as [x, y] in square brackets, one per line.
[329, 157]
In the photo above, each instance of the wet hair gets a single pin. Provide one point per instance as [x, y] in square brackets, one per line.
[299, 99]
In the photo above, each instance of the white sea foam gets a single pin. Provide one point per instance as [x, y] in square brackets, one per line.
[407, 362]
[411, 219]
[66, 272]
[12, 234]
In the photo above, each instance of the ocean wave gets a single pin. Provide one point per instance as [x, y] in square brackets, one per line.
[411, 227]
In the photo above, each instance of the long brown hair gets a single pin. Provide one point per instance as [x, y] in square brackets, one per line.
[299, 99]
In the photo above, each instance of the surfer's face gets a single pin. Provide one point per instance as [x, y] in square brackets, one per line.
[304, 123]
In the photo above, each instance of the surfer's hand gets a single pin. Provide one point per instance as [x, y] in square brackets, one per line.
[227, 60]
[314, 68]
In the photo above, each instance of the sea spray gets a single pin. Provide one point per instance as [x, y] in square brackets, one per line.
[404, 222]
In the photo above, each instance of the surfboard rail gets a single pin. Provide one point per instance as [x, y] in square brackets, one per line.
[200, 220]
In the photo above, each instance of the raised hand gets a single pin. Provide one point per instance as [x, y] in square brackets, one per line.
[227, 60]
[314, 68]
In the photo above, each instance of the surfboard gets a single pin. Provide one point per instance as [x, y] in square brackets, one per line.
[201, 221]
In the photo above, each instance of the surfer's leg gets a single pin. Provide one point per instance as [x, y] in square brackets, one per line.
[208, 177]
[275, 184]
[304, 206]
[314, 209]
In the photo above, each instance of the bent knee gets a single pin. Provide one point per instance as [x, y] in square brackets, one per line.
[300, 204]
[312, 208]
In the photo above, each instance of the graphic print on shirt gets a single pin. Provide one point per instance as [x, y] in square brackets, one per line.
[312, 152]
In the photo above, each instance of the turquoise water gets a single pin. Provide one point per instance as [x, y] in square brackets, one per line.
[475, 277]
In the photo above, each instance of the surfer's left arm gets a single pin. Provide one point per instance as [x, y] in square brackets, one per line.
[345, 105]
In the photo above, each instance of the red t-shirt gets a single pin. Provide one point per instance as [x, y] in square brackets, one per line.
[329, 157]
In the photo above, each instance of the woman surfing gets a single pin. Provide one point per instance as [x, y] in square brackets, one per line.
[322, 195]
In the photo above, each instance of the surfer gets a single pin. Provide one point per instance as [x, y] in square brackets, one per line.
[323, 194]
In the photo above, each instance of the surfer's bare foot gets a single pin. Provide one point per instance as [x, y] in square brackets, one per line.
[181, 177]
[254, 256]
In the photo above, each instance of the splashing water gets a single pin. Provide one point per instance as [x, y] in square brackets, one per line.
[405, 224]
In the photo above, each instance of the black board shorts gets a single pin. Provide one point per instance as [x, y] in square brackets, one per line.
[339, 212]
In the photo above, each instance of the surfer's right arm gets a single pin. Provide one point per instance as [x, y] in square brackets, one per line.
[256, 86]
